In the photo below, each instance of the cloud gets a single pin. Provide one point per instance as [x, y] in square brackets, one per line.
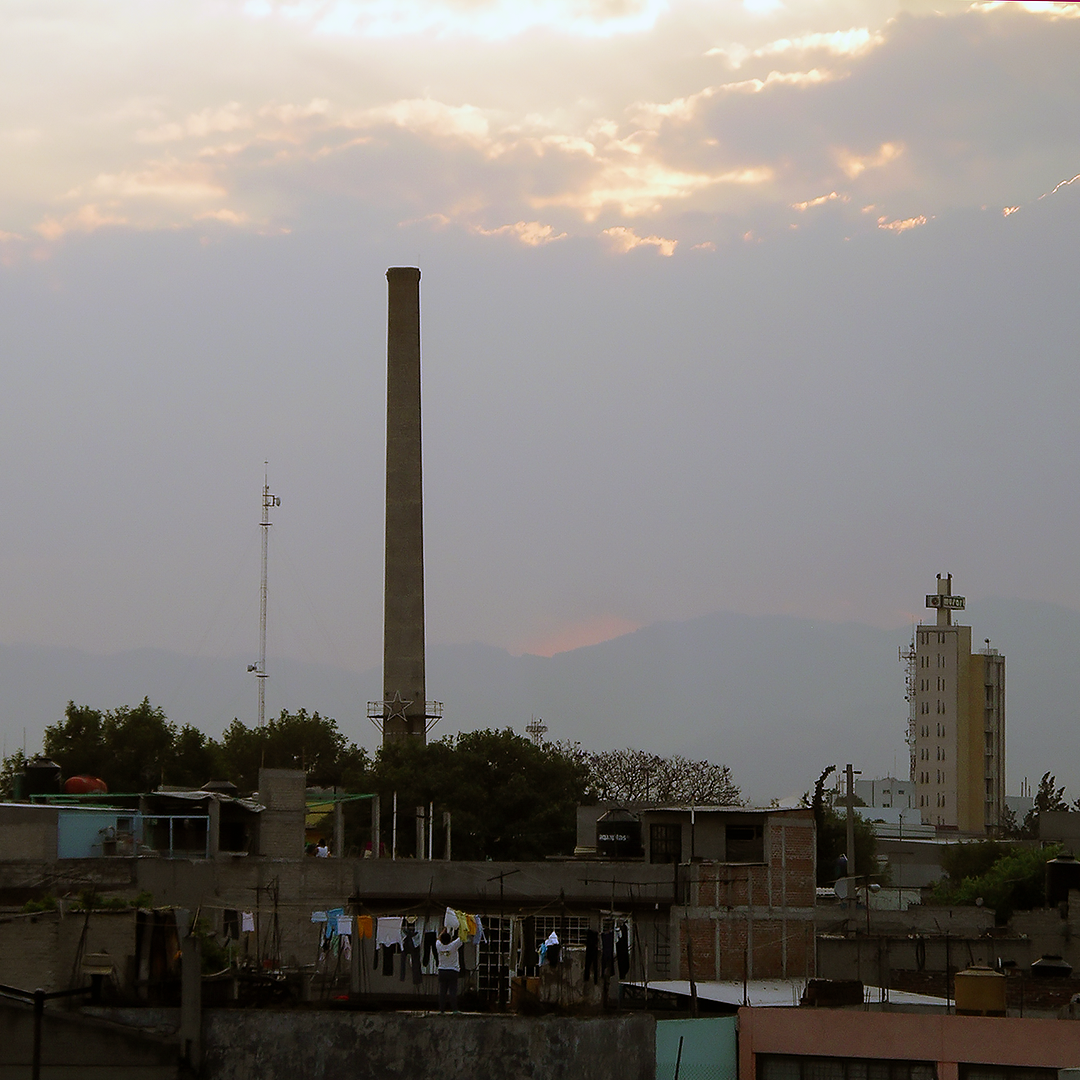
[821, 200]
[170, 180]
[625, 239]
[531, 233]
[492, 20]
[229, 217]
[86, 219]
[897, 110]
[853, 165]
[853, 42]
[901, 226]
[209, 121]
[424, 115]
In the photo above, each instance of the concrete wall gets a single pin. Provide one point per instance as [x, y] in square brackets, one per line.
[40, 951]
[281, 824]
[79, 1048]
[301, 1045]
[27, 832]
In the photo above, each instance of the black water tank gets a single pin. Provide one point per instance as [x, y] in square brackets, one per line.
[42, 777]
[618, 835]
[1051, 967]
[1062, 874]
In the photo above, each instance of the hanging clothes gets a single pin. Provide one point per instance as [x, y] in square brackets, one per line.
[451, 920]
[410, 952]
[388, 930]
[528, 943]
[388, 959]
[463, 925]
[479, 929]
[247, 922]
[430, 956]
[364, 928]
[607, 953]
[592, 955]
[622, 950]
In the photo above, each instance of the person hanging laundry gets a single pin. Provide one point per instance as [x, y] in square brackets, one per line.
[448, 947]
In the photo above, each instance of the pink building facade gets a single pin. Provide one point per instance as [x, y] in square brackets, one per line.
[840, 1044]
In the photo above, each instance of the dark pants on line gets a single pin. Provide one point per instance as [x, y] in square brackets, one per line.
[447, 986]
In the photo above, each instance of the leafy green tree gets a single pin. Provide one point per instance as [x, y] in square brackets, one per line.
[972, 860]
[292, 741]
[131, 749]
[77, 743]
[1014, 881]
[508, 797]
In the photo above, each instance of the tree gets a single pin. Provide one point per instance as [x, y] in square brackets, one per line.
[131, 749]
[832, 836]
[637, 776]
[12, 765]
[508, 797]
[1049, 798]
[292, 741]
[1014, 880]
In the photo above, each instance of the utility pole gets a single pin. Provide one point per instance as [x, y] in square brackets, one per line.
[851, 822]
[268, 502]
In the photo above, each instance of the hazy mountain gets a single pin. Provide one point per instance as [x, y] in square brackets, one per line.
[776, 698]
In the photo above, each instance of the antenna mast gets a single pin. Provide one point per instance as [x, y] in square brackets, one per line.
[268, 502]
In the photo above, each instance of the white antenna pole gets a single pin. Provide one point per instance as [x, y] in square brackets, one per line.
[268, 501]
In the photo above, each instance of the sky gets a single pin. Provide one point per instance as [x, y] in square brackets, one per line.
[761, 307]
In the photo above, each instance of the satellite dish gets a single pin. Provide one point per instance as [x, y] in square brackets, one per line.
[842, 888]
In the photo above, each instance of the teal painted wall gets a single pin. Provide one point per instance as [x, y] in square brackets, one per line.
[709, 1049]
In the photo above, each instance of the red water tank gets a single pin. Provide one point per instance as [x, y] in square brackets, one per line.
[85, 785]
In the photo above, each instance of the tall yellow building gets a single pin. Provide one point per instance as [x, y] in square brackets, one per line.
[957, 725]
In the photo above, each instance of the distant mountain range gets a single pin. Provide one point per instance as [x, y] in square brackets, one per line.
[774, 697]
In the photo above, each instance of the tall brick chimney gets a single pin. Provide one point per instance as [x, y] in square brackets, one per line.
[404, 708]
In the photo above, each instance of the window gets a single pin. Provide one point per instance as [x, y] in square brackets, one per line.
[570, 928]
[1004, 1072]
[665, 843]
[745, 843]
[792, 1067]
